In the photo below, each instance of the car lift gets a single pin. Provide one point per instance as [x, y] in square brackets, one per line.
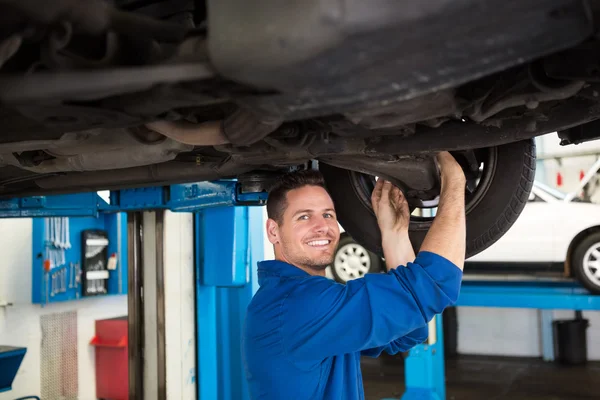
[425, 373]
[224, 280]
[223, 293]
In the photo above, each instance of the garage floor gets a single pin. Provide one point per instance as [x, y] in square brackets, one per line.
[490, 378]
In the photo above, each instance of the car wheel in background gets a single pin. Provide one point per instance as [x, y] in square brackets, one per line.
[586, 262]
[503, 187]
[352, 260]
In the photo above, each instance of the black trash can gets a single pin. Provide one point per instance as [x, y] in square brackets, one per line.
[570, 341]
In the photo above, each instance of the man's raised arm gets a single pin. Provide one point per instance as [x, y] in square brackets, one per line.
[447, 235]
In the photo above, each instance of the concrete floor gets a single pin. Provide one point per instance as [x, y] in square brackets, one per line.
[490, 378]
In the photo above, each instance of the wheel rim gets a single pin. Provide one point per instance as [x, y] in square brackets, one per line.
[487, 159]
[591, 264]
[351, 262]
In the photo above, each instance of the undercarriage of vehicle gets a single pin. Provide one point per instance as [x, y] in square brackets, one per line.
[98, 96]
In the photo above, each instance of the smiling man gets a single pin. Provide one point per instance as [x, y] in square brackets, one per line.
[304, 334]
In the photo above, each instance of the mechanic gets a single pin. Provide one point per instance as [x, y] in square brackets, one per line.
[304, 334]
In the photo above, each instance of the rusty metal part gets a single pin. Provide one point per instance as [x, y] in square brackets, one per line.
[530, 100]
[204, 134]
[101, 151]
[241, 128]
[388, 114]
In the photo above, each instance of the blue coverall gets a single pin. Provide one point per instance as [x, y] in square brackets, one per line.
[304, 335]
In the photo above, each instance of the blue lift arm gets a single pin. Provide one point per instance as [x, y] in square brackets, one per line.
[424, 367]
[178, 198]
[543, 295]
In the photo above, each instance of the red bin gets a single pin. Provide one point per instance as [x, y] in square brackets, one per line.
[111, 359]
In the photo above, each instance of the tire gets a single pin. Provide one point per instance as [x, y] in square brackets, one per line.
[580, 261]
[505, 187]
[347, 255]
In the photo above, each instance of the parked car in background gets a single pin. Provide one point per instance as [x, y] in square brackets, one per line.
[554, 232]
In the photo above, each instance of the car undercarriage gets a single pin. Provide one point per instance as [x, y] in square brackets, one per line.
[99, 95]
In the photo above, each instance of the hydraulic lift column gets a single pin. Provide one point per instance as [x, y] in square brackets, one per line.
[156, 300]
[135, 314]
[162, 234]
[146, 305]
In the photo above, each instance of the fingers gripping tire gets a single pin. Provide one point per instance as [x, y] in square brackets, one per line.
[586, 262]
[498, 201]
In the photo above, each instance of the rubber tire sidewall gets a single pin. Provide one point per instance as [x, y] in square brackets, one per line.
[375, 260]
[495, 213]
[577, 262]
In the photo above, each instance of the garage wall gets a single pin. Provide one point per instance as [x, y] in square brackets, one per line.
[20, 324]
[488, 331]
[574, 160]
[513, 332]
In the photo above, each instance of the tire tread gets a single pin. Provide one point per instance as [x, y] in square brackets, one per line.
[510, 214]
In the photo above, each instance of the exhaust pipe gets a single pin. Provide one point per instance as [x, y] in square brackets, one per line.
[205, 134]
[242, 128]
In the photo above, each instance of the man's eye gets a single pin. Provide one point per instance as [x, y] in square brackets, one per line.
[303, 217]
[328, 215]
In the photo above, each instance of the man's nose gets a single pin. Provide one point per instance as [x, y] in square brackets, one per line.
[321, 225]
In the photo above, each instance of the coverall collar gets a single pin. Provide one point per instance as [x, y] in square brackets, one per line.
[270, 268]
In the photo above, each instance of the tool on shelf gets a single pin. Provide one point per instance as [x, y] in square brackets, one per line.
[57, 239]
[94, 262]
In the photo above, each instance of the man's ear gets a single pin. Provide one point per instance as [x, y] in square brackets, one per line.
[272, 231]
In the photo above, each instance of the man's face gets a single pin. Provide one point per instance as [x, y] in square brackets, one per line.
[309, 234]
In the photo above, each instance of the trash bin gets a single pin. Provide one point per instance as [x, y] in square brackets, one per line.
[112, 379]
[570, 341]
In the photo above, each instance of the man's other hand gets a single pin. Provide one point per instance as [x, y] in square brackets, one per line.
[393, 217]
[447, 235]
[450, 170]
[391, 208]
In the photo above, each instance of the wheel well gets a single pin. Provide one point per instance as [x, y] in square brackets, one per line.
[345, 234]
[574, 243]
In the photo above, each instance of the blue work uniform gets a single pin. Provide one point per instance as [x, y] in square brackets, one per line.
[304, 335]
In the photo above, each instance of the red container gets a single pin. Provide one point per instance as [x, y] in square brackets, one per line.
[111, 359]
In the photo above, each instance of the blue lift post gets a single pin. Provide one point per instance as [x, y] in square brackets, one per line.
[225, 283]
[424, 367]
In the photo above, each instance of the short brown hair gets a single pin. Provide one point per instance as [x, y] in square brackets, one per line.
[277, 200]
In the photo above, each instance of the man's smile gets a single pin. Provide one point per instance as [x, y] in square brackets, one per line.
[319, 243]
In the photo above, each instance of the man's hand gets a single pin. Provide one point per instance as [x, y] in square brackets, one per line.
[450, 170]
[447, 235]
[391, 208]
[393, 217]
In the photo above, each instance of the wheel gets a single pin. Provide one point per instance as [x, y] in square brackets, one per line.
[503, 186]
[586, 262]
[352, 260]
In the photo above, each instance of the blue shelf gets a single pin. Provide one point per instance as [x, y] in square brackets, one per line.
[10, 361]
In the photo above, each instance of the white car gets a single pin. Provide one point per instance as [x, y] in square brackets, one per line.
[552, 229]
